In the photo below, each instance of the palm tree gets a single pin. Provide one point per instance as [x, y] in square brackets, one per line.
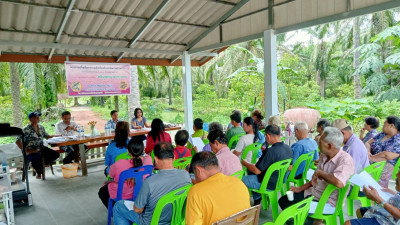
[356, 57]
[134, 97]
[15, 94]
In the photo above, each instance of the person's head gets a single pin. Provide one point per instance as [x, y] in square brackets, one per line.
[217, 140]
[157, 129]
[344, 127]
[272, 134]
[257, 115]
[198, 124]
[274, 120]
[301, 130]
[215, 126]
[121, 134]
[322, 123]
[331, 140]
[250, 127]
[391, 125]
[204, 165]
[236, 118]
[135, 149]
[164, 155]
[138, 113]
[181, 137]
[371, 123]
[66, 117]
[114, 115]
[34, 117]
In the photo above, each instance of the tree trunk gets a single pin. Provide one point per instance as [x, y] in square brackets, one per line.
[15, 95]
[170, 95]
[76, 103]
[321, 82]
[116, 104]
[102, 101]
[356, 58]
[134, 97]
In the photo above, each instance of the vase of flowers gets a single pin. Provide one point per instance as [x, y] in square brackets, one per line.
[92, 128]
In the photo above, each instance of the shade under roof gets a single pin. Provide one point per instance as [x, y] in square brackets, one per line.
[154, 32]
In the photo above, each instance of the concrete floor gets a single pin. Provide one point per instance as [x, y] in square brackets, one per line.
[74, 201]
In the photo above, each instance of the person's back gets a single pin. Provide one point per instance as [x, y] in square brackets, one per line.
[358, 152]
[302, 147]
[233, 132]
[228, 162]
[181, 139]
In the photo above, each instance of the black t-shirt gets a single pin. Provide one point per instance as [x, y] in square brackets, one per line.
[277, 152]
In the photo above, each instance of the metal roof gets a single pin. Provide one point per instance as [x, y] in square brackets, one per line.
[155, 32]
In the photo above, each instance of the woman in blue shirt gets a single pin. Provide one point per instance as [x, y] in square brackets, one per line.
[118, 145]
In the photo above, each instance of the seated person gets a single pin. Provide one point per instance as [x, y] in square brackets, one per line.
[212, 126]
[352, 145]
[251, 128]
[258, 118]
[230, 124]
[198, 131]
[66, 127]
[335, 167]
[118, 145]
[139, 121]
[153, 188]
[304, 145]
[370, 125]
[322, 123]
[112, 123]
[215, 196]
[382, 213]
[156, 134]
[236, 121]
[275, 120]
[228, 163]
[110, 189]
[34, 148]
[181, 139]
[277, 152]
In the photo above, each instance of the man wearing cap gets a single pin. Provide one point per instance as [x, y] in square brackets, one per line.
[33, 139]
[66, 127]
[352, 145]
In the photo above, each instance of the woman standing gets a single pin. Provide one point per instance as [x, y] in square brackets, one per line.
[157, 134]
[139, 121]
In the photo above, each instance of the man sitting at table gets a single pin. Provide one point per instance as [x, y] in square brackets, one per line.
[35, 150]
[153, 188]
[335, 167]
[214, 196]
[66, 127]
[277, 152]
[112, 123]
[181, 139]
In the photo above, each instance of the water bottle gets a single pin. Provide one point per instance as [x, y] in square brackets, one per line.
[83, 131]
[79, 130]
[107, 130]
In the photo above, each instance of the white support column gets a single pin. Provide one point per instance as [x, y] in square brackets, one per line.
[270, 74]
[187, 91]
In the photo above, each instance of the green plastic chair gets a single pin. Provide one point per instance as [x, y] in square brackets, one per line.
[182, 163]
[239, 174]
[307, 158]
[123, 156]
[396, 169]
[331, 219]
[177, 199]
[206, 141]
[235, 139]
[375, 170]
[271, 196]
[254, 148]
[313, 166]
[298, 212]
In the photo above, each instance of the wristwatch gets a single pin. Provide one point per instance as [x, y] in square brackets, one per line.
[382, 204]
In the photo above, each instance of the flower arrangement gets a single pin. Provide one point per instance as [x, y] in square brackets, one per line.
[92, 124]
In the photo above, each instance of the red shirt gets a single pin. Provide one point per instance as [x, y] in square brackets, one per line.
[178, 151]
[150, 142]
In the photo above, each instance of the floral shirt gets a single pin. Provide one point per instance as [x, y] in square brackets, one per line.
[32, 139]
[390, 145]
[382, 215]
[369, 135]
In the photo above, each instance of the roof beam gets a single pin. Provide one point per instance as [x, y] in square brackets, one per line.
[212, 27]
[85, 47]
[145, 26]
[223, 2]
[206, 54]
[62, 25]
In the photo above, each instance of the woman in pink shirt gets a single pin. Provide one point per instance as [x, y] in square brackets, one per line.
[139, 158]
[157, 134]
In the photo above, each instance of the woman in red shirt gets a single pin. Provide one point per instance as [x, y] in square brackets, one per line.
[157, 134]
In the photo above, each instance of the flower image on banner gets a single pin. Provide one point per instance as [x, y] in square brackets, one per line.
[95, 79]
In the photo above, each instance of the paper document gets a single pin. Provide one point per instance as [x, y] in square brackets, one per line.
[328, 209]
[56, 140]
[196, 141]
[365, 178]
[310, 173]
[129, 204]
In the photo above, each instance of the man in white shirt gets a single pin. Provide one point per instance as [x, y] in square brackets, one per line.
[66, 127]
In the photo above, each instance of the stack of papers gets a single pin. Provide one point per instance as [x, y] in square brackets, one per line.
[365, 178]
[310, 173]
[55, 140]
[196, 141]
[328, 209]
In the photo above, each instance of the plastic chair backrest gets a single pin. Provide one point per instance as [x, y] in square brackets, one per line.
[396, 169]
[281, 167]
[298, 212]
[138, 173]
[182, 163]
[254, 148]
[307, 158]
[239, 174]
[123, 156]
[325, 196]
[234, 139]
[178, 199]
[246, 217]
